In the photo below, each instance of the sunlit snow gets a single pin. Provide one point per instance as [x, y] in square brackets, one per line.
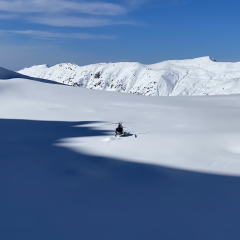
[194, 77]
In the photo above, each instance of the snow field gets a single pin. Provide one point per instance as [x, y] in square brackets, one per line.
[197, 133]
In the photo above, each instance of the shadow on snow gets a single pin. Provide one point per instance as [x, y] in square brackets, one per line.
[6, 74]
[49, 192]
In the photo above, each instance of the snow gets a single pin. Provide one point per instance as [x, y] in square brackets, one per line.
[65, 176]
[43, 66]
[6, 74]
[191, 133]
[193, 77]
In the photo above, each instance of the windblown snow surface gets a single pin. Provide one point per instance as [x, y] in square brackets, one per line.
[200, 76]
[65, 176]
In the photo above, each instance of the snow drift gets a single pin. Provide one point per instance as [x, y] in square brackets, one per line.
[200, 76]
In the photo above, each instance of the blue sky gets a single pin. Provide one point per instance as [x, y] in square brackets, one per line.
[147, 31]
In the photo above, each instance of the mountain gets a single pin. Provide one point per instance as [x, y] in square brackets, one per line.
[200, 76]
[6, 74]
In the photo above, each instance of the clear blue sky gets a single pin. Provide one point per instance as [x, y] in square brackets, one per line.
[147, 31]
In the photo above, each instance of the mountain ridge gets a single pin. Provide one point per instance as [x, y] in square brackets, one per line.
[198, 76]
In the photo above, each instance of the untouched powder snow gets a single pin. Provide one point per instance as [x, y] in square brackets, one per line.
[194, 77]
[198, 133]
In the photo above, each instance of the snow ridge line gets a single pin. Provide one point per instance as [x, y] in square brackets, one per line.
[201, 76]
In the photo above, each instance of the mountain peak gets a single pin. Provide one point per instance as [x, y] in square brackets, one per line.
[42, 66]
[205, 59]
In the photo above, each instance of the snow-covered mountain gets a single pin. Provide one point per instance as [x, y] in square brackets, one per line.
[200, 76]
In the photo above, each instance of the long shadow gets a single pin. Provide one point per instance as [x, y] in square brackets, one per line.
[48, 192]
[6, 74]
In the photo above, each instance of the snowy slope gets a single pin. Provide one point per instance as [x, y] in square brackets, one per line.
[197, 133]
[6, 74]
[200, 76]
[64, 176]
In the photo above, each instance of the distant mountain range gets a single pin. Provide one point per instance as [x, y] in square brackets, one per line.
[199, 76]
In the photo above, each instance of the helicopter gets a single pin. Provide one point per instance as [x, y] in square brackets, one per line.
[119, 131]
